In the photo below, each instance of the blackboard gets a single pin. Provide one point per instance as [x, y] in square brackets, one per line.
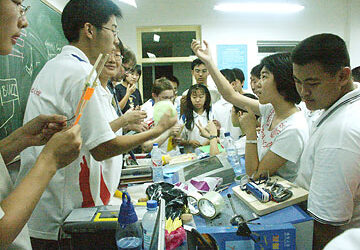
[39, 42]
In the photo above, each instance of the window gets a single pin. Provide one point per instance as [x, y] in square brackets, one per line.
[164, 51]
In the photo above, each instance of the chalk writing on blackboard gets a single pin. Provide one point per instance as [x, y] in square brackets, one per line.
[9, 95]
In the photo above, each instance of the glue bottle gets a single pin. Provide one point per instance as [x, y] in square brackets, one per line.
[128, 232]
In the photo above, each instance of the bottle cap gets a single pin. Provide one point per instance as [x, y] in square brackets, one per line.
[151, 204]
[155, 144]
[227, 134]
[127, 214]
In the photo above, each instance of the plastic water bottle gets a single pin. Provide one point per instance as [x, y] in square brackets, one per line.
[128, 232]
[148, 222]
[232, 155]
[156, 159]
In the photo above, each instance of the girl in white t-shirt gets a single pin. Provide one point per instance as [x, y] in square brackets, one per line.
[283, 131]
[198, 111]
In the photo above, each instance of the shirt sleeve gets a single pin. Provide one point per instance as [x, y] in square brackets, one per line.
[264, 109]
[334, 185]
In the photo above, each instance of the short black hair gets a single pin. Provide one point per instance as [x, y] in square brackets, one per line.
[78, 12]
[161, 84]
[255, 71]
[252, 96]
[281, 67]
[228, 74]
[327, 49]
[356, 73]
[196, 62]
[128, 56]
[121, 47]
[239, 74]
[137, 69]
[174, 79]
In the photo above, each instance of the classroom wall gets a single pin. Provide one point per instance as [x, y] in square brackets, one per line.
[336, 16]
[354, 32]
[233, 28]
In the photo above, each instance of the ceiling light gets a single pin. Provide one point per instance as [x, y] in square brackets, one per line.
[259, 7]
[129, 2]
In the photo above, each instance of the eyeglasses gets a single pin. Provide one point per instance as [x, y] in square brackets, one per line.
[118, 57]
[115, 33]
[23, 9]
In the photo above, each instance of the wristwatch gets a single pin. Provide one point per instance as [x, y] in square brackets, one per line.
[212, 137]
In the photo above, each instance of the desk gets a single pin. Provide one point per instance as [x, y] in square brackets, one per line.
[288, 218]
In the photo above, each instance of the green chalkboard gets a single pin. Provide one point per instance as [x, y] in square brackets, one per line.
[41, 41]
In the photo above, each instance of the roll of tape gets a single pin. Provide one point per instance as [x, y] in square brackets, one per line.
[211, 204]
[193, 198]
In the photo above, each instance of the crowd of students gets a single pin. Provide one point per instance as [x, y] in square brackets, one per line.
[301, 124]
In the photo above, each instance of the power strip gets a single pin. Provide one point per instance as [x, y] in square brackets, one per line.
[258, 192]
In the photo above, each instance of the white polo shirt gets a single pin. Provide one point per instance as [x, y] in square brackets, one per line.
[22, 241]
[194, 134]
[330, 164]
[222, 112]
[85, 182]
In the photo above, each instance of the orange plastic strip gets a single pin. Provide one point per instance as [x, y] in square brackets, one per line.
[89, 92]
[77, 119]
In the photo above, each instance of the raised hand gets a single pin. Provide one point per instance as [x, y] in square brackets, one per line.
[212, 128]
[63, 147]
[248, 121]
[203, 53]
[130, 89]
[203, 131]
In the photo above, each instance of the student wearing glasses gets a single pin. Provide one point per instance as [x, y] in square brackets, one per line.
[92, 179]
[61, 148]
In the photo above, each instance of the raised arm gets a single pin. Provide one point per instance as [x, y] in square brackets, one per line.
[222, 84]
[130, 89]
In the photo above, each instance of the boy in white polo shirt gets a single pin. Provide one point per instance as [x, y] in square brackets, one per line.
[90, 27]
[330, 164]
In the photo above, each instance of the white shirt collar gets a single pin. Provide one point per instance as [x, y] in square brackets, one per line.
[202, 115]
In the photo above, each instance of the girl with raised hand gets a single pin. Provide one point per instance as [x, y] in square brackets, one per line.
[283, 131]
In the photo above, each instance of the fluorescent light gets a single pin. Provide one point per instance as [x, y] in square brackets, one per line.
[129, 2]
[156, 38]
[259, 7]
